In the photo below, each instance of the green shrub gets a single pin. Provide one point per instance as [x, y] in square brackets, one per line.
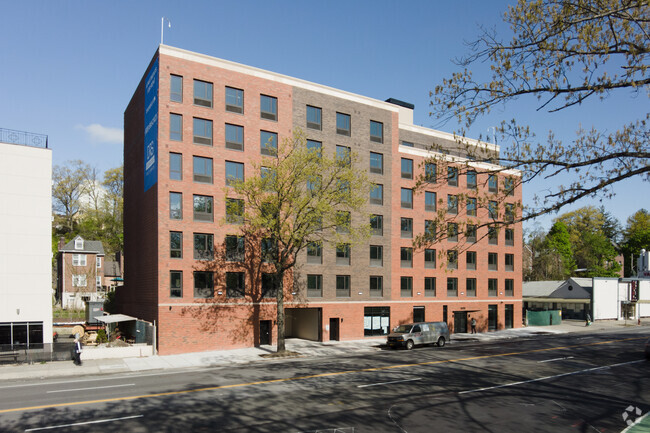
[101, 336]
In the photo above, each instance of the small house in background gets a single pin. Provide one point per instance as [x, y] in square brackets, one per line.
[80, 272]
[113, 273]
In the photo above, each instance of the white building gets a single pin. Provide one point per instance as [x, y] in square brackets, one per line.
[25, 241]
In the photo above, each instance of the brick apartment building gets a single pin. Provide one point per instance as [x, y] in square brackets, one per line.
[195, 120]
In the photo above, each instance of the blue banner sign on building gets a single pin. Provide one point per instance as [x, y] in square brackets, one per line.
[151, 127]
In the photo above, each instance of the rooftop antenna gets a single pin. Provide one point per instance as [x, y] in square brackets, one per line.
[162, 27]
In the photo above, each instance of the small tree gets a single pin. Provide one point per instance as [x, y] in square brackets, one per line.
[299, 195]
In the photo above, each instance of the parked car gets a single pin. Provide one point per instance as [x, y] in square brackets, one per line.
[418, 333]
[647, 349]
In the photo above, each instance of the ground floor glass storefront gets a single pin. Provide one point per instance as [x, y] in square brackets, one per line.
[376, 321]
[21, 335]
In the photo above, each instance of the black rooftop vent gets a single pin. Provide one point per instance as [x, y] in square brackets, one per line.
[400, 103]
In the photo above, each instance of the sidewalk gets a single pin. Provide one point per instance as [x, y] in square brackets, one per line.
[305, 348]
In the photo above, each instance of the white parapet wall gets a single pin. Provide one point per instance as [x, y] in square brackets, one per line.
[606, 298]
[103, 352]
[644, 298]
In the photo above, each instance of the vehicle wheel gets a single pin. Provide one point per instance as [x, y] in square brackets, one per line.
[441, 341]
[409, 345]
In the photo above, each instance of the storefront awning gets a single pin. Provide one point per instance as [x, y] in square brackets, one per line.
[114, 318]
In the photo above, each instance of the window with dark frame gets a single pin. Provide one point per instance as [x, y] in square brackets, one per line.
[406, 197]
[234, 100]
[376, 321]
[268, 107]
[429, 258]
[343, 254]
[268, 250]
[406, 228]
[493, 183]
[175, 127]
[510, 262]
[406, 287]
[203, 93]
[452, 176]
[377, 225]
[470, 260]
[176, 245]
[452, 232]
[175, 206]
[407, 168]
[314, 286]
[452, 204]
[430, 201]
[314, 118]
[430, 287]
[376, 256]
[268, 285]
[509, 287]
[452, 259]
[203, 246]
[376, 131]
[430, 229]
[471, 179]
[430, 172]
[315, 253]
[343, 222]
[343, 124]
[406, 257]
[342, 286]
[471, 206]
[493, 262]
[202, 169]
[234, 211]
[493, 209]
[175, 88]
[509, 186]
[203, 208]
[493, 235]
[376, 163]
[376, 286]
[235, 248]
[203, 284]
[175, 166]
[234, 172]
[202, 132]
[510, 237]
[234, 137]
[235, 286]
[343, 154]
[175, 284]
[452, 287]
[470, 287]
[493, 286]
[407, 143]
[268, 143]
[470, 233]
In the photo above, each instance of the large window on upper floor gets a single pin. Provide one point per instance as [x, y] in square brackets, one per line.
[235, 248]
[407, 168]
[430, 172]
[377, 194]
[175, 206]
[175, 127]
[203, 208]
[452, 176]
[234, 211]
[203, 284]
[406, 198]
[471, 206]
[203, 246]
[314, 118]
[406, 228]
[493, 183]
[376, 131]
[452, 204]
[471, 179]
[430, 201]
[202, 169]
[203, 93]
[79, 260]
[376, 255]
[268, 107]
[234, 137]
[176, 245]
[376, 163]
[176, 88]
[202, 131]
[234, 172]
[268, 143]
[234, 100]
[343, 124]
[175, 166]
[377, 225]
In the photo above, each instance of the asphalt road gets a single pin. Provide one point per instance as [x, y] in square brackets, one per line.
[573, 383]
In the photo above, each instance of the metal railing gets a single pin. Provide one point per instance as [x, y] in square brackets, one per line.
[23, 138]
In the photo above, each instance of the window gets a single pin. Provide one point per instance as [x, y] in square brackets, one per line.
[176, 88]
[470, 287]
[314, 118]
[470, 233]
[430, 172]
[203, 246]
[176, 245]
[407, 227]
[78, 260]
[470, 260]
[452, 286]
[98, 282]
[406, 257]
[343, 124]
[510, 237]
[376, 163]
[407, 168]
[268, 285]
[175, 206]
[493, 261]
[509, 289]
[202, 169]
[79, 281]
[492, 286]
[376, 286]
[343, 222]
[234, 211]
[342, 286]
[175, 166]
[268, 107]
[493, 235]
[315, 253]
[98, 262]
[493, 209]
[268, 249]
[509, 212]
[406, 287]
[452, 232]
[268, 177]
[343, 155]
[235, 248]
[314, 286]
[376, 255]
[471, 206]
[203, 286]
[377, 225]
[407, 144]
[407, 198]
[234, 100]
[471, 179]
[430, 258]
[493, 183]
[203, 93]
[376, 321]
[235, 285]
[175, 284]
[202, 131]
[314, 145]
[430, 201]
[430, 286]
[430, 229]
[376, 131]
[203, 210]
[452, 259]
[234, 172]
[452, 204]
[343, 254]
[452, 176]
[510, 262]
[175, 127]
[268, 143]
[234, 137]
[78, 244]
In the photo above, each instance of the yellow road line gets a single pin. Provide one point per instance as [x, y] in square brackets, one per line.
[312, 376]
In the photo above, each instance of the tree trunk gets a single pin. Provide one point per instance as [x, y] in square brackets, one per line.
[279, 293]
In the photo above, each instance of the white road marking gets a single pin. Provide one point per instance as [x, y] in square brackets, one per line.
[604, 367]
[99, 421]
[387, 383]
[557, 359]
[94, 387]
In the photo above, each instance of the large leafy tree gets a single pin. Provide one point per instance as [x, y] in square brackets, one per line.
[636, 236]
[564, 53]
[300, 196]
[68, 187]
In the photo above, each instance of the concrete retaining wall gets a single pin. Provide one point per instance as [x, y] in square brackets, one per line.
[102, 352]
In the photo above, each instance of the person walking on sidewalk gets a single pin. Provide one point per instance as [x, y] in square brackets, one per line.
[473, 323]
[77, 351]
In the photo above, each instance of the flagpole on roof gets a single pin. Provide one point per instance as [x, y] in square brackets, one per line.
[162, 27]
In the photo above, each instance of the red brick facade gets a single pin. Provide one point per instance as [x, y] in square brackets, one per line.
[187, 322]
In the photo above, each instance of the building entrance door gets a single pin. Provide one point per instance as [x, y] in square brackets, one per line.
[334, 328]
[460, 322]
[509, 319]
[265, 332]
[492, 318]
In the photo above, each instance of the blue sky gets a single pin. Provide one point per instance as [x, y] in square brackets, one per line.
[70, 67]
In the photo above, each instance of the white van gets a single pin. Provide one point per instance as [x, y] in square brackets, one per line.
[419, 333]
